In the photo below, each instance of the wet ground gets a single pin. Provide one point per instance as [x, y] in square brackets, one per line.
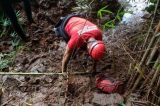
[43, 53]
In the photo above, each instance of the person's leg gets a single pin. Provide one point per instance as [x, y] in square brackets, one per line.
[27, 8]
[8, 9]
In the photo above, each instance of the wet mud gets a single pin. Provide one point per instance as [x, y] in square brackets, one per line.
[43, 53]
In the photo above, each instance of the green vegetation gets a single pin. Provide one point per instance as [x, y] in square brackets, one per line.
[6, 59]
[152, 6]
[5, 24]
[122, 104]
[83, 7]
[102, 11]
[110, 23]
[15, 41]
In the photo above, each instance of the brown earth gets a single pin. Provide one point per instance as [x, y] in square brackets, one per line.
[43, 53]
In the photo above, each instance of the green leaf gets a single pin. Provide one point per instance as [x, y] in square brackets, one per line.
[6, 23]
[99, 14]
[4, 64]
[107, 11]
[18, 13]
[103, 10]
[118, 17]
[122, 104]
[109, 24]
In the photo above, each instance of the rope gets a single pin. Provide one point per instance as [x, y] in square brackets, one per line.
[31, 73]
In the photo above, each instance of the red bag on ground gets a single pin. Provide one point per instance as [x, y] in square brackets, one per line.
[109, 85]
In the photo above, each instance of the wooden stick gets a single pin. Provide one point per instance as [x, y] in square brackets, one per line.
[155, 76]
[156, 90]
[153, 80]
[151, 24]
[158, 27]
[142, 61]
[153, 52]
[151, 72]
[140, 102]
[155, 48]
[7, 101]
[153, 41]
[1, 93]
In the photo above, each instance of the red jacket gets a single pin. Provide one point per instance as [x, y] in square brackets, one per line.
[80, 30]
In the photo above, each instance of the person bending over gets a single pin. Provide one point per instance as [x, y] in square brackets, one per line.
[78, 33]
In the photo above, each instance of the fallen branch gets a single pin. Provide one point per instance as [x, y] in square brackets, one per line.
[155, 76]
[140, 102]
[5, 103]
[156, 91]
[151, 72]
[152, 55]
[151, 24]
[158, 27]
[154, 79]
[153, 41]
[1, 92]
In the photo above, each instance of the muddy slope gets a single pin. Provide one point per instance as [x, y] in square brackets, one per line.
[43, 53]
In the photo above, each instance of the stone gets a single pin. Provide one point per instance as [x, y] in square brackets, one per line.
[40, 104]
[62, 100]
[87, 104]
[39, 97]
[48, 79]
[107, 99]
[38, 68]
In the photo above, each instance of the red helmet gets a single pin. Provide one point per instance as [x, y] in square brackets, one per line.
[97, 50]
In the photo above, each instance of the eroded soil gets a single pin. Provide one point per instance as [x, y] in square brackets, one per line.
[43, 53]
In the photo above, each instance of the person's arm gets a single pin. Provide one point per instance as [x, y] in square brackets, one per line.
[66, 57]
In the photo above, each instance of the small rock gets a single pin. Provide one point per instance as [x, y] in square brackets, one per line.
[18, 67]
[36, 82]
[1, 92]
[4, 78]
[62, 45]
[40, 104]
[19, 78]
[53, 104]
[62, 100]
[107, 99]
[10, 81]
[25, 61]
[87, 104]
[27, 78]
[38, 98]
[48, 79]
[38, 68]
[147, 15]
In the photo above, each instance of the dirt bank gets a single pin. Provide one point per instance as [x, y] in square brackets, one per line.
[43, 53]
